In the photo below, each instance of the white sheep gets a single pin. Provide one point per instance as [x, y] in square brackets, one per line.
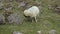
[33, 12]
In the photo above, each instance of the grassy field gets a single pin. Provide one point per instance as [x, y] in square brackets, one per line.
[46, 22]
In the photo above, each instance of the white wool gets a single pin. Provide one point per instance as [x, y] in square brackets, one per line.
[32, 12]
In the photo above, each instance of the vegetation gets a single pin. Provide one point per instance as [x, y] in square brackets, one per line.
[47, 20]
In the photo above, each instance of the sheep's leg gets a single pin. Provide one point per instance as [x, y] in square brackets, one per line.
[35, 19]
[32, 19]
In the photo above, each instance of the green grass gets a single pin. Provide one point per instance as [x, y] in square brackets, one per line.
[46, 22]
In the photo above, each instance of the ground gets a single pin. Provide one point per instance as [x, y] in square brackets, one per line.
[46, 22]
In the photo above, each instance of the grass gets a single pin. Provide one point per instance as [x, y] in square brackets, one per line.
[46, 22]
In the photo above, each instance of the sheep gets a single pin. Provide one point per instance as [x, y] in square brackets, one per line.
[32, 12]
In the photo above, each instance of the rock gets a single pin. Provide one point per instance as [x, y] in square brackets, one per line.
[52, 32]
[15, 18]
[8, 7]
[7, 13]
[17, 32]
[38, 3]
[1, 6]
[28, 6]
[39, 32]
[18, 0]
[7, 0]
[21, 4]
[58, 7]
[2, 19]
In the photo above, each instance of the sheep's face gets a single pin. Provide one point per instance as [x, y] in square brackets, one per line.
[26, 13]
[26, 16]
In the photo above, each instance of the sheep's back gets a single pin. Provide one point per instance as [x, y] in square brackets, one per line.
[34, 10]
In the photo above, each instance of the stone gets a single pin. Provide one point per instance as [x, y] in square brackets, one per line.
[21, 4]
[7, 0]
[52, 32]
[1, 6]
[17, 32]
[39, 32]
[2, 19]
[8, 7]
[15, 18]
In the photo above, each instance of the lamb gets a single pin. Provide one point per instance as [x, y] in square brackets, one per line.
[32, 12]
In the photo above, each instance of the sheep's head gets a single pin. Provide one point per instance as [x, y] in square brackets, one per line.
[26, 12]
